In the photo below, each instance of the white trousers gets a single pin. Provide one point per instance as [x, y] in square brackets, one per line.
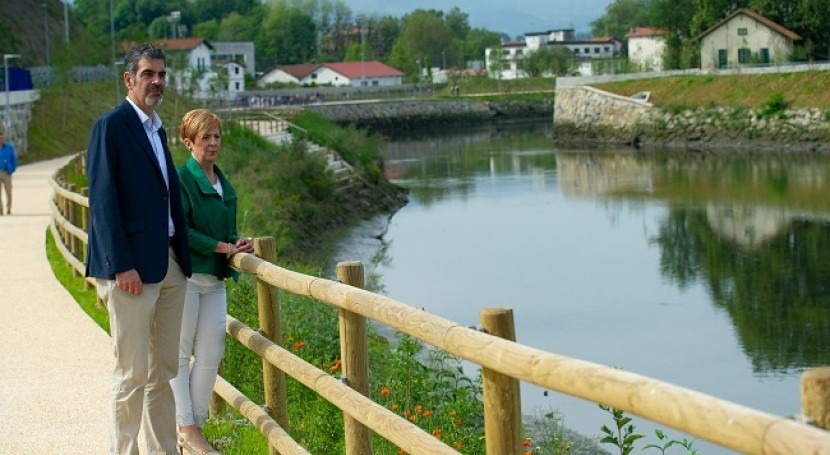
[203, 341]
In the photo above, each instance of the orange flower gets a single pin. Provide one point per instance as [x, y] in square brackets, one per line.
[336, 365]
[457, 445]
[437, 433]
[393, 406]
[418, 408]
[427, 413]
[401, 452]
[457, 422]
[526, 442]
[528, 452]
[413, 417]
[298, 345]
[384, 391]
[452, 413]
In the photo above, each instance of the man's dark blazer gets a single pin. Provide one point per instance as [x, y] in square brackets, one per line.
[128, 201]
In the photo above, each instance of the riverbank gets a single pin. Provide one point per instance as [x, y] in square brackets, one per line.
[411, 114]
[781, 110]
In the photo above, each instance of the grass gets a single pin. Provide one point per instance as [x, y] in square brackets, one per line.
[800, 90]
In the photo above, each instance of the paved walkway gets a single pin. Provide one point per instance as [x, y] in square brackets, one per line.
[55, 362]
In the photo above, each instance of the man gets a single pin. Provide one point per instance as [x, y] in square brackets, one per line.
[8, 164]
[139, 255]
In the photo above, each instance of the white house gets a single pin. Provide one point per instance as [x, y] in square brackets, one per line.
[505, 61]
[646, 47]
[193, 70]
[236, 51]
[354, 74]
[745, 38]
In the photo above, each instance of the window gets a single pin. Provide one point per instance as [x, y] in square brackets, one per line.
[722, 60]
[742, 31]
[607, 49]
[596, 50]
[576, 50]
[237, 85]
[764, 55]
[375, 82]
[236, 70]
[587, 50]
[743, 55]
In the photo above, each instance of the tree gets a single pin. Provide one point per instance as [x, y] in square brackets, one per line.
[548, 61]
[287, 36]
[425, 35]
[478, 40]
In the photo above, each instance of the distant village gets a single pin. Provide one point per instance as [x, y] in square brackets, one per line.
[742, 38]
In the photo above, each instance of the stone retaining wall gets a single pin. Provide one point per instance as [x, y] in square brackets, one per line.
[19, 114]
[421, 112]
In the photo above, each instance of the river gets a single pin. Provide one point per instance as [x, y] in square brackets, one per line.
[710, 271]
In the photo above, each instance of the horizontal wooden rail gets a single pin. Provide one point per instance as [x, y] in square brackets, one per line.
[725, 423]
[66, 194]
[254, 413]
[65, 224]
[391, 426]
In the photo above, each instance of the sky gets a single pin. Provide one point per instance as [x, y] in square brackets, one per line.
[514, 18]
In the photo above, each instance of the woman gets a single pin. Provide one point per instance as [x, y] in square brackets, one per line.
[209, 203]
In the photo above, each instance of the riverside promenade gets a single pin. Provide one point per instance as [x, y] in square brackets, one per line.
[56, 362]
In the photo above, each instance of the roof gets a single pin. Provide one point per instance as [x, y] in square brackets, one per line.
[348, 69]
[764, 20]
[358, 69]
[549, 32]
[181, 44]
[174, 44]
[643, 32]
[602, 39]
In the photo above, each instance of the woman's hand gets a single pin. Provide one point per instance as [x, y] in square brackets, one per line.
[244, 245]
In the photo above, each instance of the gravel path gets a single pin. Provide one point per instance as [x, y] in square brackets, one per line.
[56, 362]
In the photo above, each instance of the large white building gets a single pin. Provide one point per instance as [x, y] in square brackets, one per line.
[505, 61]
[198, 71]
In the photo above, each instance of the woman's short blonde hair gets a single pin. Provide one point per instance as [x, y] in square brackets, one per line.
[198, 122]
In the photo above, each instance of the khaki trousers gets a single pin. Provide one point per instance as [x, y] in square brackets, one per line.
[145, 333]
[6, 184]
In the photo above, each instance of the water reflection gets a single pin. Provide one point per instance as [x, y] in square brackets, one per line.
[753, 229]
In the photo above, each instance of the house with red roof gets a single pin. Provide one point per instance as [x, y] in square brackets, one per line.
[351, 74]
[646, 46]
[197, 70]
[745, 38]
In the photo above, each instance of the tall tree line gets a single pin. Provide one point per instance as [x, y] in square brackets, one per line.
[296, 31]
[686, 19]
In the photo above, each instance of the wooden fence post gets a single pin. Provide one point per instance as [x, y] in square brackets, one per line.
[72, 217]
[354, 354]
[502, 404]
[85, 227]
[815, 396]
[269, 322]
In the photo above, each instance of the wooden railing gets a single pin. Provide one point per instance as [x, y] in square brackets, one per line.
[504, 363]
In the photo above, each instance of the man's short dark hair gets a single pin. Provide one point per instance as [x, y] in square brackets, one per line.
[142, 51]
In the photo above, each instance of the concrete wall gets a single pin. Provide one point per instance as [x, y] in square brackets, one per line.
[16, 117]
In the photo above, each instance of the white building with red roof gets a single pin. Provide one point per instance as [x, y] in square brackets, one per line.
[646, 47]
[352, 74]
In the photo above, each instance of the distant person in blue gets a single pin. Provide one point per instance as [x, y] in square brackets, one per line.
[8, 164]
[139, 255]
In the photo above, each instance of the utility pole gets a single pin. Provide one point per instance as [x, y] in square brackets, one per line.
[46, 33]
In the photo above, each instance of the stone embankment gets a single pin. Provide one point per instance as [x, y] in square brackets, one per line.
[409, 114]
[587, 115]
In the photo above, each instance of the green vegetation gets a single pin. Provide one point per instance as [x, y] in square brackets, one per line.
[742, 90]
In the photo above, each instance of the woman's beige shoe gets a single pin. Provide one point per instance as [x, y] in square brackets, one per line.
[186, 448]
